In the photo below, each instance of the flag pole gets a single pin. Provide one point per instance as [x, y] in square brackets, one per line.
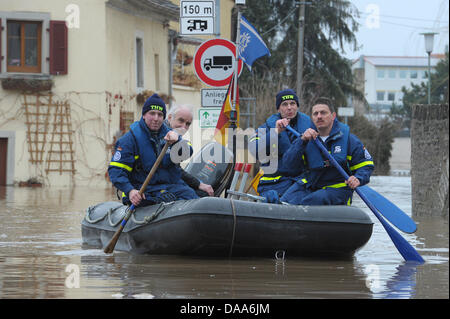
[233, 118]
[236, 65]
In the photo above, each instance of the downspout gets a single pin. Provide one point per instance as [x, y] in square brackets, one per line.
[173, 47]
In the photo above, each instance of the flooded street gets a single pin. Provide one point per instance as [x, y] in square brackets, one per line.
[42, 256]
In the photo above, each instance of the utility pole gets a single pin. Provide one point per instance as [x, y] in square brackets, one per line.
[300, 48]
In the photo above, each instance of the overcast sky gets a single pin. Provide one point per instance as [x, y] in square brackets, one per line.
[394, 27]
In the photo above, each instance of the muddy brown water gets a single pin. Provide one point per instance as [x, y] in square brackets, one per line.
[42, 256]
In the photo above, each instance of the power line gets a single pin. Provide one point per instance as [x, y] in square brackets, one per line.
[280, 23]
[404, 18]
[443, 28]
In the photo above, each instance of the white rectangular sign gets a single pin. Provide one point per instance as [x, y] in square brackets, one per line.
[196, 17]
[196, 9]
[213, 97]
[346, 111]
[191, 26]
[208, 117]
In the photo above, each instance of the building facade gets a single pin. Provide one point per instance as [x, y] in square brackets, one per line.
[381, 78]
[74, 75]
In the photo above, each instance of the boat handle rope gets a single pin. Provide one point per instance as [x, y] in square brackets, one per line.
[146, 219]
[94, 221]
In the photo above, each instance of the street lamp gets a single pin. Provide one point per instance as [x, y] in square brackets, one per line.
[429, 41]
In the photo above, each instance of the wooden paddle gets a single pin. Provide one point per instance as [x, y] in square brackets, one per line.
[112, 243]
[406, 250]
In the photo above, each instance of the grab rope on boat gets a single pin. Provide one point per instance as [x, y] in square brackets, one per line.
[148, 219]
[110, 211]
[94, 221]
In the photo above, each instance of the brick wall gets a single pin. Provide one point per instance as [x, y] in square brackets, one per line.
[430, 160]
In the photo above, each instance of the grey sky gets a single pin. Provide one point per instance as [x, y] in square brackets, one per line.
[394, 27]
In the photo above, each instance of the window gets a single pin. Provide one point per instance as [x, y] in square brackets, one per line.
[403, 74]
[392, 73]
[380, 73]
[380, 95]
[139, 63]
[413, 74]
[391, 96]
[31, 43]
[424, 74]
[126, 119]
[23, 46]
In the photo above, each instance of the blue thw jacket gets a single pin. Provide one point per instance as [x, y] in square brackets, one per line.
[135, 154]
[300, 123]
[345, 147]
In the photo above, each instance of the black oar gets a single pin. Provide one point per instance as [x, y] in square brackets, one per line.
[406, 250]
[112, 243]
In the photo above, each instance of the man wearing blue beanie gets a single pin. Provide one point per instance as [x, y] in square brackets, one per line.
[137, 151]
[154, 102]
[272, 140]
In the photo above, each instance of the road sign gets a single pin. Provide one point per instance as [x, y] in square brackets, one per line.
[191, 26]
[197, 9]
[213, 97]
[214, 62]
[208, 117]
[346, 111]
[196, 17]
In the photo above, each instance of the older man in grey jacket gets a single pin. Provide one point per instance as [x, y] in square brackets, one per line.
[179, 119]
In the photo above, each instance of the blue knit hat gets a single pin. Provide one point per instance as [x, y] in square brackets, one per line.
[287, 94]
[154, 102]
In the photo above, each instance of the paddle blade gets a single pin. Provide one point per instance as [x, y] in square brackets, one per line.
[389, 210]
[408, 252]
[112, 243]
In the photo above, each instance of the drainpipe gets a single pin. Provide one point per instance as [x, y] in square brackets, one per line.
[173, 46]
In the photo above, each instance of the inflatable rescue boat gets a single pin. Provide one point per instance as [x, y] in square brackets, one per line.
[228, 227]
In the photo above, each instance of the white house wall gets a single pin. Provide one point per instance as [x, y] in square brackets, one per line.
[100, 82]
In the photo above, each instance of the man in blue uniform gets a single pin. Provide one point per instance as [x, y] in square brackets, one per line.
[321, 183]
[272, 140]
[137, 151]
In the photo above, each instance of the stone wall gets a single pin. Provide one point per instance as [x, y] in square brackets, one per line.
[430, 160]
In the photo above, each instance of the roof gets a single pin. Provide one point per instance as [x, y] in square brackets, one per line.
[163, 8]
[165, 5]
[399, 61]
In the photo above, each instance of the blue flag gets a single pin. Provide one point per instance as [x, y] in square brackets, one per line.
[251, 45]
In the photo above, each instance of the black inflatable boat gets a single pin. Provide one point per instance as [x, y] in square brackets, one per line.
[214, 226]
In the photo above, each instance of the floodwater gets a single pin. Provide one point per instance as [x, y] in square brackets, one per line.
[42, 256]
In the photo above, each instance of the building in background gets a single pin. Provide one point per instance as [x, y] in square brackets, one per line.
[381, 79]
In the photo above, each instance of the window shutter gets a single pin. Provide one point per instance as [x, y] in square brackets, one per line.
[58, 47]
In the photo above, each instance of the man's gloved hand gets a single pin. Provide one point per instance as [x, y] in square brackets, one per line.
[272, 197]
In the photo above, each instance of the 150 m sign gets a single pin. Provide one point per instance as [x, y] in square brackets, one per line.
[196, 17]
[197, 8]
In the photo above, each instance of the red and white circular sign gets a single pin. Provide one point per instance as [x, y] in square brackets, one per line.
[214, 62]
